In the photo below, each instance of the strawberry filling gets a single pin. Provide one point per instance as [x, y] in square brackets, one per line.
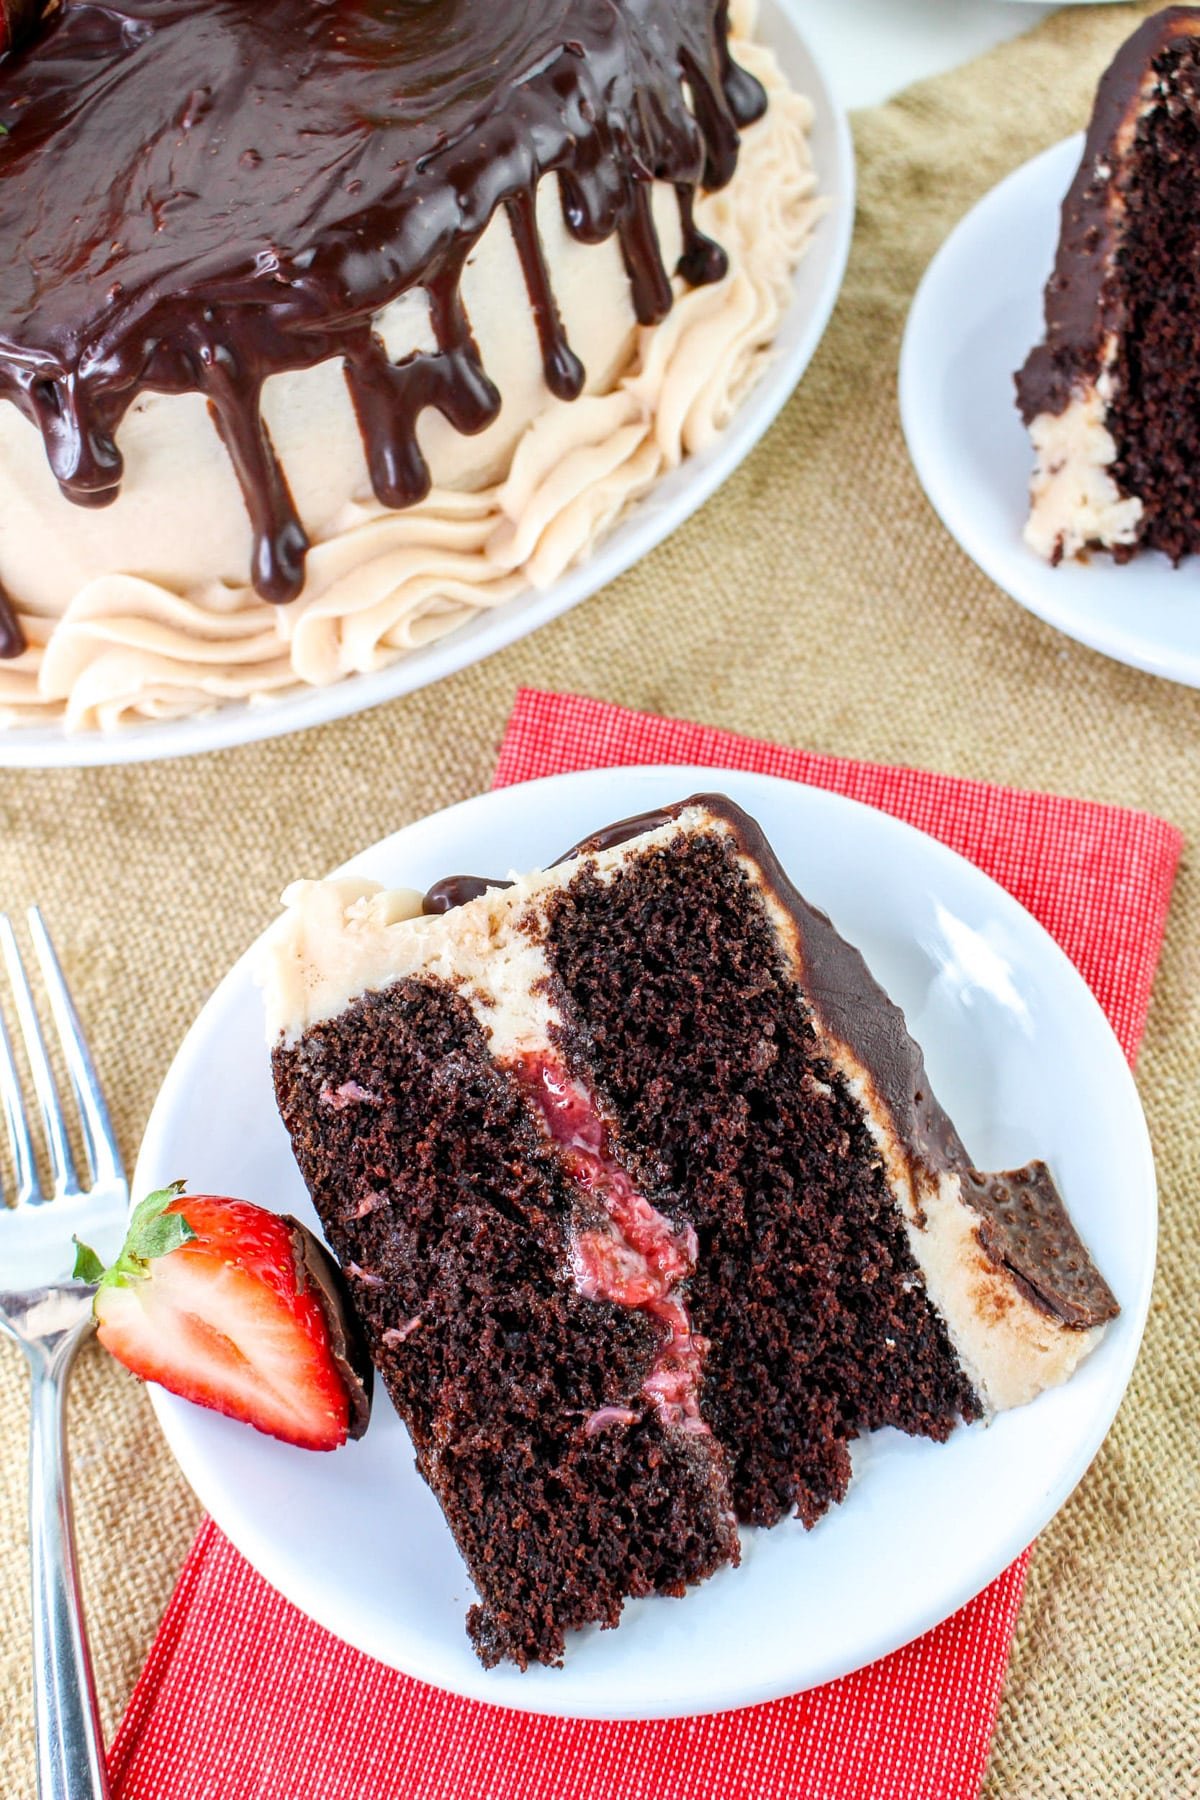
[636, 1258]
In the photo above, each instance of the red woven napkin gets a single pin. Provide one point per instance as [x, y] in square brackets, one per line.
[243, 1698]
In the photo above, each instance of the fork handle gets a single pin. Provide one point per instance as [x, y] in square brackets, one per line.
[70, 1749]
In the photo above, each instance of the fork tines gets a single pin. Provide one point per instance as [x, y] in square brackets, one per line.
[99, 1141]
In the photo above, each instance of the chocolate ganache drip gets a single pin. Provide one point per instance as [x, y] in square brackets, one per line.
[210, 192]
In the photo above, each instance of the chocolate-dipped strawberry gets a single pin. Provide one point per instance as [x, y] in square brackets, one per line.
[238, 1309]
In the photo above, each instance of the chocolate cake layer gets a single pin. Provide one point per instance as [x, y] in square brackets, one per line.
[679, 1006]
[451, 1218]
[743, 1230]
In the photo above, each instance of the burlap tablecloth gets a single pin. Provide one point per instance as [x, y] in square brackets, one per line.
[816, 600]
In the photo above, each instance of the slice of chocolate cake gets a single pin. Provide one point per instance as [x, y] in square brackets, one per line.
[1112, 394]
[647, 1208]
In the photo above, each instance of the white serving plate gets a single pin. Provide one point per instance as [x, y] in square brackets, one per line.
[977, 314]
[674, 499]
[1024, 1059]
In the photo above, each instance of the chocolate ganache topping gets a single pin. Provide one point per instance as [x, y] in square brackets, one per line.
[210, 192]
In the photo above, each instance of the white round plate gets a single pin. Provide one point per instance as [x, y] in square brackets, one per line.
[1022, 1056]
[976, 316]
[672, 500]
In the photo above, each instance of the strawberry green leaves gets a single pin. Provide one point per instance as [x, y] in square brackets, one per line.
[153, 1232]
[88, 1266]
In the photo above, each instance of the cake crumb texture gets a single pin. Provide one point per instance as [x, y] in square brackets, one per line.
[450, 1215]
[701, 1049]
[1154, 418]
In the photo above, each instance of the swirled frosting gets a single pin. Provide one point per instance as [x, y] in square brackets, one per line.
[144, 610]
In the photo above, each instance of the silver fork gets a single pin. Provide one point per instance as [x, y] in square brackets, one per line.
[49, 1315]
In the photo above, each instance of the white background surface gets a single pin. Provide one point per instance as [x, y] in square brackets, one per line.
[1021, 1055]
[873, 48]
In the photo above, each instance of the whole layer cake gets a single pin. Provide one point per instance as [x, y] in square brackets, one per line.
[1112, 394]
[336, 322]
[647, 1208]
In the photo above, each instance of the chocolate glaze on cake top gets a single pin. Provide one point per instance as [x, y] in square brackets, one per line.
[456, 890]
[1027, 1230]
[210, 192]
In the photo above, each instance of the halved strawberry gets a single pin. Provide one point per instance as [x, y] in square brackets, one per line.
[238, 1309]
